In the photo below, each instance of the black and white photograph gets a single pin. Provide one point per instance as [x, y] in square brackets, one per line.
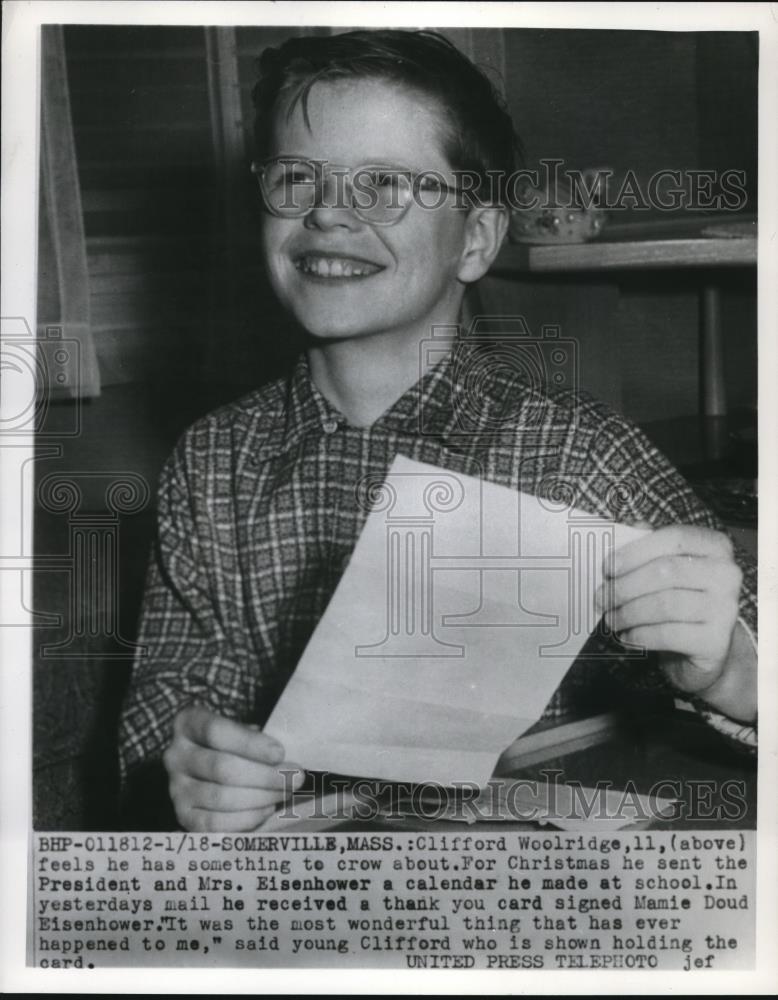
[386, 422]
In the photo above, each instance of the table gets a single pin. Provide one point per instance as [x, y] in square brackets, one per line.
[713, 783]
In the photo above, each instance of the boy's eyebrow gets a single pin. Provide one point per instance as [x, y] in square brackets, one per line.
[377, 161]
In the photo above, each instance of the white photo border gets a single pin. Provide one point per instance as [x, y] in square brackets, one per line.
[20, 122]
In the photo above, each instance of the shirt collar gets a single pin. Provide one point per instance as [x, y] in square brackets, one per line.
[423, 409]
[307, 411]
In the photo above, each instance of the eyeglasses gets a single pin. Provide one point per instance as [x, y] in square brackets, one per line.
[378, 194]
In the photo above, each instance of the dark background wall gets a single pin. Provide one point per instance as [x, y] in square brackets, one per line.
[182, 317]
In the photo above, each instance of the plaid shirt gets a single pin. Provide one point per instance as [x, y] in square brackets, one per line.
[257, 519]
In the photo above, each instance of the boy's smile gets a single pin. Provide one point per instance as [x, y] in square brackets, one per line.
[334, 267]
[340, 276]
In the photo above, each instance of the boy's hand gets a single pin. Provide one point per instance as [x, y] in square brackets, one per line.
[676, 591]
[224, 776]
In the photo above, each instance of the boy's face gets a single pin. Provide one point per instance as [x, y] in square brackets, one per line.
[411, 268]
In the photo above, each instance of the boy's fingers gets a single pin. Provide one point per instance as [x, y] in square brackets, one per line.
[230, 769]
[671, 637]
[680, 606]
[676, 540]
[207, 729]
[671, 573]
[211, 821]
[230, 798]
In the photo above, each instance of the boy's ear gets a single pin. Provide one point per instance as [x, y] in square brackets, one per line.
[485, 231]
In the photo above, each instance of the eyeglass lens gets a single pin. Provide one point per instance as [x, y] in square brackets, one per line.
[375, 193]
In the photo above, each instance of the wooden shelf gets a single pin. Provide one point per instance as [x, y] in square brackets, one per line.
[683, 242]
[635, 246]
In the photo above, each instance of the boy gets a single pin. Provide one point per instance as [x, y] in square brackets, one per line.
[369, 243]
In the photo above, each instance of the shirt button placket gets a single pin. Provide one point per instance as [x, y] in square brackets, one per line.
[330, 426]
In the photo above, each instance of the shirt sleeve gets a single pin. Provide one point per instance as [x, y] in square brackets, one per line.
[640, 484]
[185, 655]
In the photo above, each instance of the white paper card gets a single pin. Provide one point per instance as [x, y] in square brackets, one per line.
[462, 608]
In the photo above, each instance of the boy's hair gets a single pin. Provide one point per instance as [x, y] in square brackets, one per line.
[477, 132]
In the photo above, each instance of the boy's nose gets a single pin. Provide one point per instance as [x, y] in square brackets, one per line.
[333, 204]
[324, 216]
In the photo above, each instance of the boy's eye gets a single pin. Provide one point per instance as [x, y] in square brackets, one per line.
[430, 188]
[285, 175]
[383, 178]
[299, 175]
[383, 189]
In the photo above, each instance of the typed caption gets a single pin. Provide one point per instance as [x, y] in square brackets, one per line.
[551, 900]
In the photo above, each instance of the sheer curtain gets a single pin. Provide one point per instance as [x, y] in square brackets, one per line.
[64, 329]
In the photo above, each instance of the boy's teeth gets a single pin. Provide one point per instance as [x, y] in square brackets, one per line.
[330, 267]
